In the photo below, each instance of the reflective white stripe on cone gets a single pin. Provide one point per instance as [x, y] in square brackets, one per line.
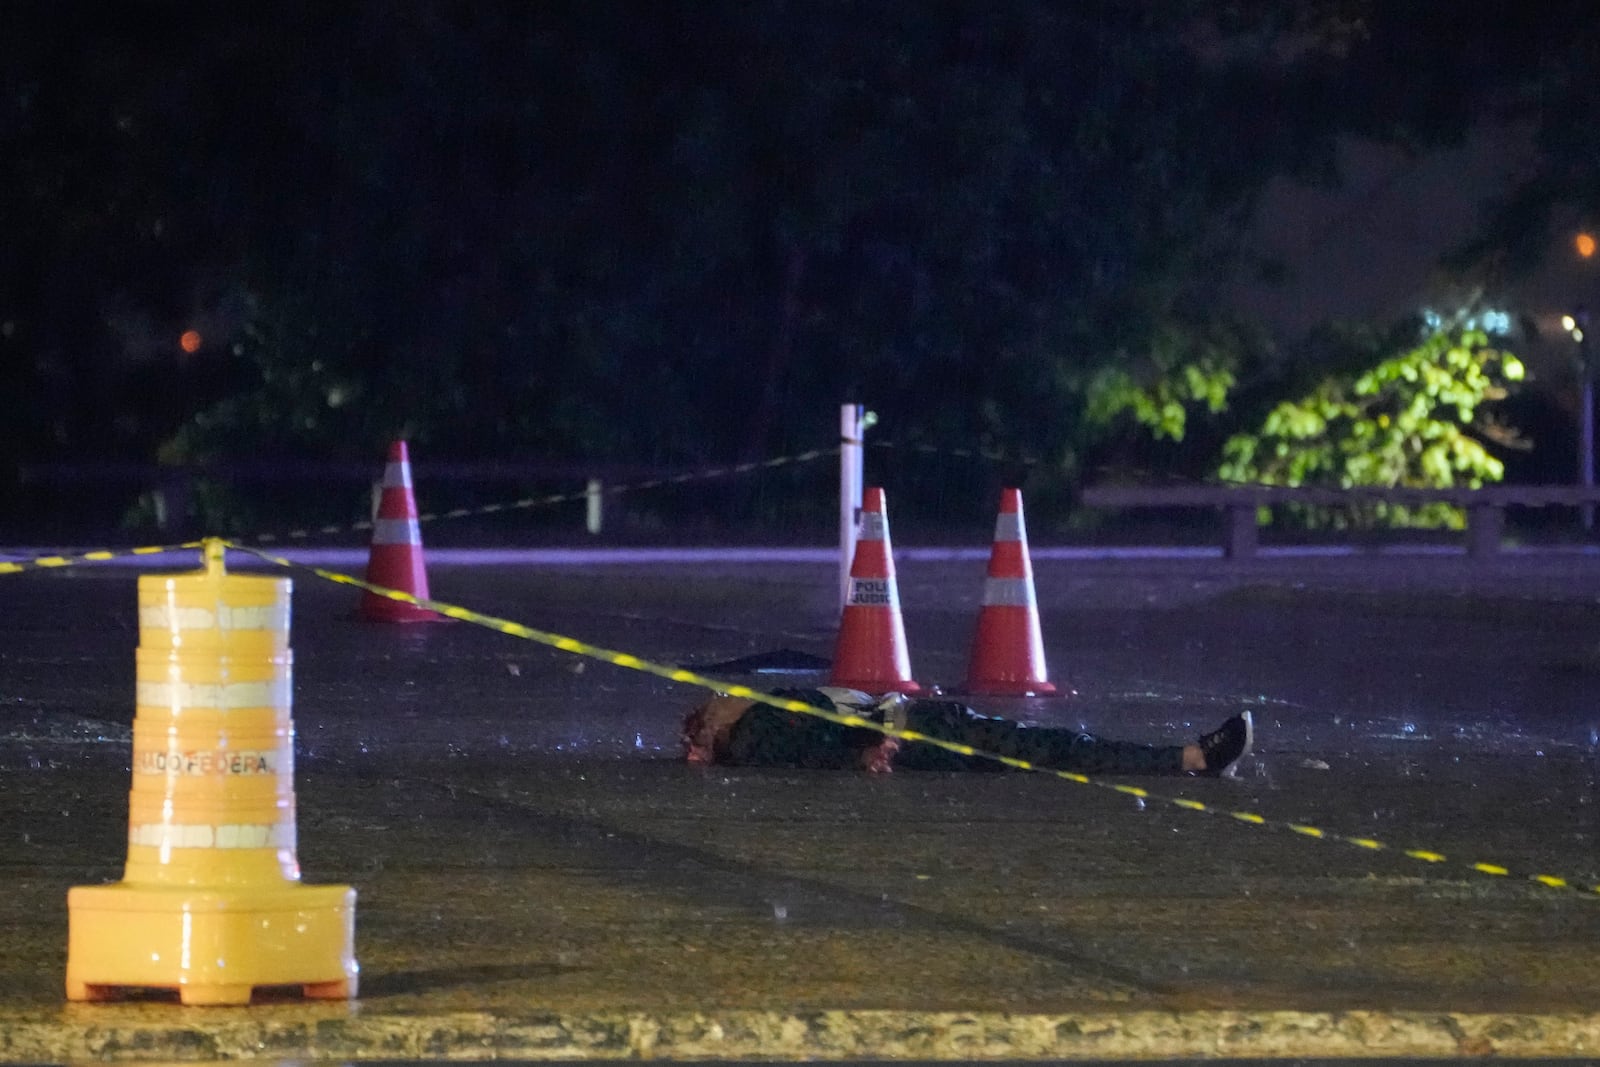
[1008, 647]
[870, 653]
[396, 559]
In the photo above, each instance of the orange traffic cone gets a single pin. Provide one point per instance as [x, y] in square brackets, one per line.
[870, 653]
[396, 558]
[1008, 650]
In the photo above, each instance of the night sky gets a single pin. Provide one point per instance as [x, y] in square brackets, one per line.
[680, 234]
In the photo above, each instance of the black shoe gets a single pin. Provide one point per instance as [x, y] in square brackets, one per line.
[1228, 744]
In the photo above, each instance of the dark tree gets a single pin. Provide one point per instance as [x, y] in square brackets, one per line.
[678, 232]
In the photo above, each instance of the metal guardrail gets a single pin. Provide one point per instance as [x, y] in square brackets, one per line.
[1485, 506]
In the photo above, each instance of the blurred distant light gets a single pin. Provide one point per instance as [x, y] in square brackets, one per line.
[1489, 321]
[190, 341]
[1584, 243]
[1575, 324]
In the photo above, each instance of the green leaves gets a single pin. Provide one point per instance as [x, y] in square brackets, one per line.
[1189, 368]
[1409, 420]
[674, 232]
[1162, 404]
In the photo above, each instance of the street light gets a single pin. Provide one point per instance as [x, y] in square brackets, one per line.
[1577, 325]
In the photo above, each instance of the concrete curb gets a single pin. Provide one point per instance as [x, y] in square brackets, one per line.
[160, 1031]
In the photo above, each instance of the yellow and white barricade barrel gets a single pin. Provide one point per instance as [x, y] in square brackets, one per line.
[211, 902]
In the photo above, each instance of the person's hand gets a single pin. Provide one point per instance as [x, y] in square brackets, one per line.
[879, 756]
[707, 726]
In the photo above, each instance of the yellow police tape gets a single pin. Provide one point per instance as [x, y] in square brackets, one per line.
[704, 474]
[523, 504]
[678, 674]
[97, 556]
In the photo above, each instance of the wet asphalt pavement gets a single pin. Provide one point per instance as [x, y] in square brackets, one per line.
[540, 876]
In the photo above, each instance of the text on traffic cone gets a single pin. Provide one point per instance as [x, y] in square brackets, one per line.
[870, 653]
[211, 903]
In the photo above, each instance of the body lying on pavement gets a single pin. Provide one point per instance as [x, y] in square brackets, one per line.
[736, 731]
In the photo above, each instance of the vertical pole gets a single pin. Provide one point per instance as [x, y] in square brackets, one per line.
[594, 499]
[850, 476]
[1586, 445]
[1577, 325]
